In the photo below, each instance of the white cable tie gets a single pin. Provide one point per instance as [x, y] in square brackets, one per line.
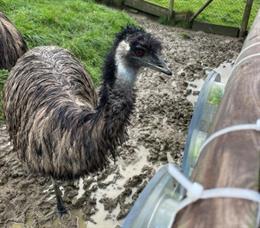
[258, 125]
[177, 175]
[240, 127]
[241, 61]
[239, 193]
[245, 49]
[195, 192]
[246, 58]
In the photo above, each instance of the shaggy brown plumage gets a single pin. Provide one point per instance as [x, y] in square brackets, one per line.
[56, 123]
[53, 119]
[12, 44]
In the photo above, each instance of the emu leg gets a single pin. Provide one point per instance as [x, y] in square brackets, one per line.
[60, 204]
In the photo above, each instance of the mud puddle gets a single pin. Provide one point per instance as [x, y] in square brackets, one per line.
[159, 127]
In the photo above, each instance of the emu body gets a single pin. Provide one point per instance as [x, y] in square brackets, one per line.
[12, 45]
[53, 117]
[58, 126]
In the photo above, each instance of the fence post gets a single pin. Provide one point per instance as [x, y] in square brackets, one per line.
[171, 4]
[245, 19]
[232, 160]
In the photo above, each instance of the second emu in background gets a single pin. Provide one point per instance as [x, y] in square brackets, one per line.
[12, 44]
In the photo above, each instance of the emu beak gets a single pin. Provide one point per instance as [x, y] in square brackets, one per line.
[158, 64]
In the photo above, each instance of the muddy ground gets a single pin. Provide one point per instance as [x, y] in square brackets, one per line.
[159, 125]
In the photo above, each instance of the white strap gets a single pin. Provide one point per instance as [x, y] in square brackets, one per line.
[243, 59]
[240, 127]
[245, 49]
[237, 63]
[195, 191]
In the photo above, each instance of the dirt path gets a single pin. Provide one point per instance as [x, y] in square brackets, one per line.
[159, 125]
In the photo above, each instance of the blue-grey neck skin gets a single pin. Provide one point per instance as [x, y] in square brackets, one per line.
[125, 73]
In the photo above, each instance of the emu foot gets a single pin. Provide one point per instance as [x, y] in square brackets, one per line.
[61, 210]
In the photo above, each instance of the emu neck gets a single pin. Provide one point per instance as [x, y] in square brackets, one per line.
[125, 71]
[125, 75]
[117, 98]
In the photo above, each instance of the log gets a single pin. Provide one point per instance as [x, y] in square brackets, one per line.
[232, 160]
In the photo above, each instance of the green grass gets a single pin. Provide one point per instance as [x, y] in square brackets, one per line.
[82, 26]
[221, 12]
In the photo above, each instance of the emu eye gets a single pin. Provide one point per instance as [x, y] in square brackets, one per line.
[139, 52]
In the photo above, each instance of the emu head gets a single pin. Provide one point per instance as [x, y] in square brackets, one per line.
[135, 49]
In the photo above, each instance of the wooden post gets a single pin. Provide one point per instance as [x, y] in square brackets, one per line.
[232, 160]
[246, 17]
[171, 4]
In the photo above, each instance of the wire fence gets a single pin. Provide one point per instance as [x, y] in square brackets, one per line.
[219, 12]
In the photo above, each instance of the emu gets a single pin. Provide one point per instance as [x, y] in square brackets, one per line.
[56, 122]
[12, 45]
